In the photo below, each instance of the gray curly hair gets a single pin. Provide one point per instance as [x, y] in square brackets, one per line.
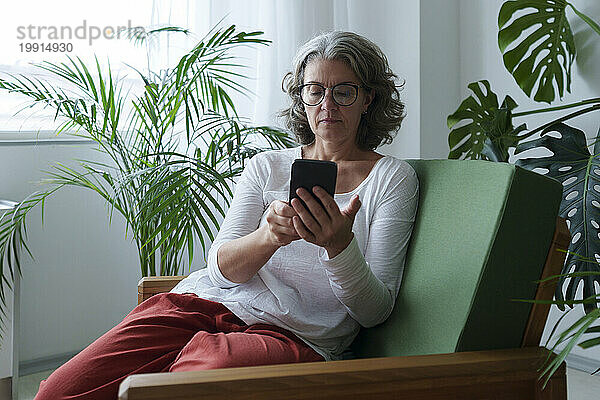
[385, 113]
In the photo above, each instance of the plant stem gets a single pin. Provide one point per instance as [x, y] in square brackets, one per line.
[557, 108]
[587, 19]
[562, 119]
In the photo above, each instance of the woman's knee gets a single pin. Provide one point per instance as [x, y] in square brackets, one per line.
[61, 385]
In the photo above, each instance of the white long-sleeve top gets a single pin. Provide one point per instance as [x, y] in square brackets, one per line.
[323, 301]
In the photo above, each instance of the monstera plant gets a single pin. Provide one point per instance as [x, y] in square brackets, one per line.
[171, 149]
[538, 50]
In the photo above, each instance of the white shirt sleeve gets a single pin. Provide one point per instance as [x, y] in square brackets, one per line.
[242, 218]
[368, 285]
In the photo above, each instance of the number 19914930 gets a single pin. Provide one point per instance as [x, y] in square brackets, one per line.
[46, 47]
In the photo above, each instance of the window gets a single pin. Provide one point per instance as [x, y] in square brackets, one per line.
[49, 31]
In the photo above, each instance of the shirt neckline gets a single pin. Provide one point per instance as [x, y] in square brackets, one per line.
[360, 185]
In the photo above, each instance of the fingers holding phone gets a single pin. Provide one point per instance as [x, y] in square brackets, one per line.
[322, 222]
[280, 226]
[319, 219]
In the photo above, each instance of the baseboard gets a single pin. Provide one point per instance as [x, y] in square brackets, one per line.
[582, 363]
[44, 363]
[6, 388]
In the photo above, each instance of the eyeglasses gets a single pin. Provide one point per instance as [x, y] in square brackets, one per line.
[344, 94]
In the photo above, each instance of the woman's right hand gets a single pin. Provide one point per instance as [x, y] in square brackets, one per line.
[280, 228]
[240, 259]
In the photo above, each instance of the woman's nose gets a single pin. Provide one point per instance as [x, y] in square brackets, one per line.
[328, 102]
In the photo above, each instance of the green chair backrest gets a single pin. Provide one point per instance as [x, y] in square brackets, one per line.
[480, 240]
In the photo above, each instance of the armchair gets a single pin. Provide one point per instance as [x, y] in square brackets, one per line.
[485, 232]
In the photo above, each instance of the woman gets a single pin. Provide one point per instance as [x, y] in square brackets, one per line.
[283, 283]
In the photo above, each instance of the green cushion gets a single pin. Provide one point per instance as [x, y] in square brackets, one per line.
[481, 237]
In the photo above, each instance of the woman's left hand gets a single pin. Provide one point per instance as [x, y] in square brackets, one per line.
[328, 226]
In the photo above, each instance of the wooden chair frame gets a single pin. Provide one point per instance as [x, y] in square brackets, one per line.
[494, 374]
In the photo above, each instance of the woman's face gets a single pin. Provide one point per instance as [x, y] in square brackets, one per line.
[329, 121]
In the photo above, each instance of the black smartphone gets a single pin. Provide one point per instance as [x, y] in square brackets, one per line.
[310, 173]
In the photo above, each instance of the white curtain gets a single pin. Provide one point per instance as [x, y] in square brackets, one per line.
[287, 23]
[393, 25]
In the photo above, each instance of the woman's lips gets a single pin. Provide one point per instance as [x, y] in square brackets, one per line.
[329, 121]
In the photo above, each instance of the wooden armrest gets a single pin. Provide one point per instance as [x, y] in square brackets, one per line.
[545, 291]
[511, 373]
[151, 285]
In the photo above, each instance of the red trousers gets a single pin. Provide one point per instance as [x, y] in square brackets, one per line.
[171, 332]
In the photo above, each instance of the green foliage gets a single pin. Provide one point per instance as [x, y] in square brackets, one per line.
[490, 132]
[565, 341]
[172, 157]
[578, 170]
[572, 335]
[545, 55]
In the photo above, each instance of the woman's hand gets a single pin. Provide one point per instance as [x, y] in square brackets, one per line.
[280, 228]
[328, 226]
[240, 259]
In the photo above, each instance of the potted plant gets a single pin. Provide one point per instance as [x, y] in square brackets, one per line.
[173, 156]
[540, 61]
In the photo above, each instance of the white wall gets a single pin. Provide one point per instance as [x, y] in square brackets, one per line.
[480, 58]
[439, 67]
[83, 279]
[394, 26]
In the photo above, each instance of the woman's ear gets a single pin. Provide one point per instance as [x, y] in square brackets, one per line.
[369, 96]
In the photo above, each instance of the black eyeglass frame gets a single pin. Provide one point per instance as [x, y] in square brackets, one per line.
[354, 85]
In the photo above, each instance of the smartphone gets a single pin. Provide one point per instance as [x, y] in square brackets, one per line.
[309, 173]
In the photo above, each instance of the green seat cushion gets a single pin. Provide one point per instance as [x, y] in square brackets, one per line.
[480, 240]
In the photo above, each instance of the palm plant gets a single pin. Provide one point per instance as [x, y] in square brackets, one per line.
[172, 157]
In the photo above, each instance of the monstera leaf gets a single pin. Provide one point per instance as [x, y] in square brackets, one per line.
[544, 55]
[579, 172]
[490, 133]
